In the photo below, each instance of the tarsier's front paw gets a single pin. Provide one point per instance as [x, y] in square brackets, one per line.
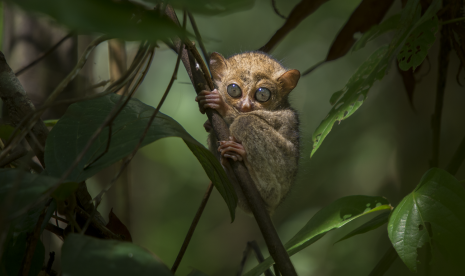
[211, 99]
[232, 149]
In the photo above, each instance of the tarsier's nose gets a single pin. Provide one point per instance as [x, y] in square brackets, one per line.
[246, 105]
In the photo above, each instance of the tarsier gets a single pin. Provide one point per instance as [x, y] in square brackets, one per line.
[252, 97]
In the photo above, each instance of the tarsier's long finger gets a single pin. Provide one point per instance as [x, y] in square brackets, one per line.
[233, 156]
[233, 150]
[225, 144]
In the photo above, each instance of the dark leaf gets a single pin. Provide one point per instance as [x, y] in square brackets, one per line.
[366, 227]
[121, 19]
[408, 79]
[116, 226]
[50, 210]
[358, 86]
[299, 13]
[436, 207]
[83, 255]
[208, 7]
[367, 14]
[196, 272]
[72, 132]
[14, 254]
[335, 215]
[65, 190]
[5, 132]
[22, 188]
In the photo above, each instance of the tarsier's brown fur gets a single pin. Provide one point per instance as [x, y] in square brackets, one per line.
[267, 131]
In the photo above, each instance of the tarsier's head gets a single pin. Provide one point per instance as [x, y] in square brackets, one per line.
[253, 81]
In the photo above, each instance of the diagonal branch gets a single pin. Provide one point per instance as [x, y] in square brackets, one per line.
[201, 80]
[298, 14]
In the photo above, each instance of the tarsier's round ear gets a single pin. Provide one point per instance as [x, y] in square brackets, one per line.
[218, 66]
[289, 80]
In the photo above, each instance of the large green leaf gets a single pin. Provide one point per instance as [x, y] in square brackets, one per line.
[335, 215]
[417, 45]
[209, 7]
[437, 205]
[84, 255]
[351, 97]
[72, 132]
[121, 19]
[22, 188]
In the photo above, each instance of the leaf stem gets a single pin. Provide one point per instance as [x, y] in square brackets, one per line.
[444, 52]
[385, 263]
[457, 159]
[44, 55]
[194, 223]
[453, 20]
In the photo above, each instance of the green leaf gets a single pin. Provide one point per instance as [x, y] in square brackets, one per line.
[208, 7]
[335, 215]
[366, 227]
[65, 190]
[196, 272]
[121, 19]
[14, 254]
[50, 123]
[83, 255]
[437, 205]
[417, 45]
[22, 188]
[354, 94]
[5, 132]
[70, 135]
[358, 86]
[390, 24]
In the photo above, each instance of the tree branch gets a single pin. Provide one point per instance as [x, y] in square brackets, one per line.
[444, 52]
[201, 81]
[18, 104]
[299, 13]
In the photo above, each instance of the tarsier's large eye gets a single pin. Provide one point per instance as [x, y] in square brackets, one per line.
[262, 94]
[234, 90]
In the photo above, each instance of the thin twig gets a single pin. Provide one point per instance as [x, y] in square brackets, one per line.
[58, 218]
[55, 230]
[244, 259]
[275, 8]
[385, 263]
[55, 93]
[276, 270]
[109, 118]
[453, 20]
[32, 242]
[444, 52]
[199, 38]
[309, 70]
[457, 159]
[194, 223]
[259, 256]
[44, 55]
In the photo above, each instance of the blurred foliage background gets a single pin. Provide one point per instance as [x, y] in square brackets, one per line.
[383, 149]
